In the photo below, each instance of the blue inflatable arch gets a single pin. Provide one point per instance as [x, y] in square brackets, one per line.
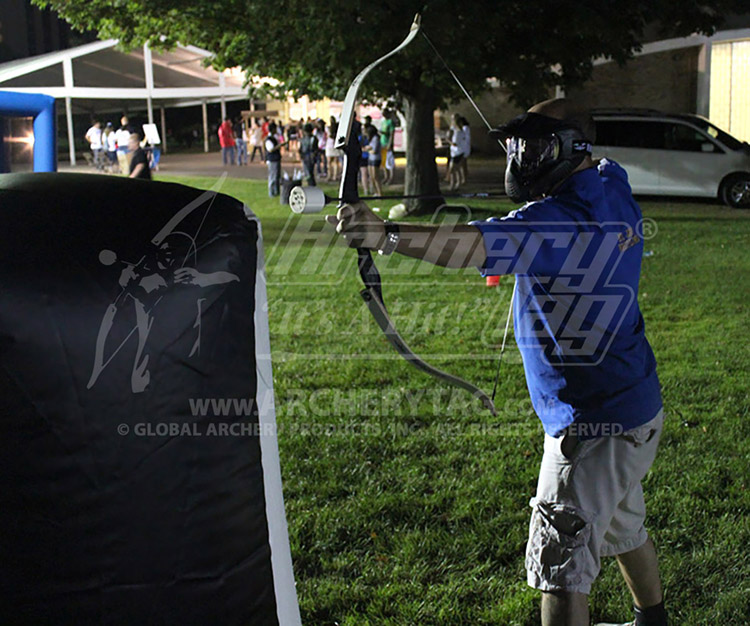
[42, 109]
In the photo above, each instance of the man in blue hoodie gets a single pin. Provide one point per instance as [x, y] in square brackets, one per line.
[575, 248]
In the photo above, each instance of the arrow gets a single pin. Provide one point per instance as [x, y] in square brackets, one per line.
[313, 199]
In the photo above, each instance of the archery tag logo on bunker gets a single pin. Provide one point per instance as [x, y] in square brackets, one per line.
[168, 287]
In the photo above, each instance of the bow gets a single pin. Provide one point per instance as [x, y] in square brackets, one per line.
[372, 294]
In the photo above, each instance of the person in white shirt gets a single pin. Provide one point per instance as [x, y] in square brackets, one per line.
[464, 170]
[256, 140]
[458, 142]
[320, 156]
[110, 146]
[122, 135]
[94, 137]
[333, 155]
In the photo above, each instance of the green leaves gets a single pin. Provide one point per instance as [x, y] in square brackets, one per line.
[317, 48]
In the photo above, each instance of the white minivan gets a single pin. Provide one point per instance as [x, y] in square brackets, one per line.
[675, 154]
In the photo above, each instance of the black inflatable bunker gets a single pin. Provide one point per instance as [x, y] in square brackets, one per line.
[139, 472]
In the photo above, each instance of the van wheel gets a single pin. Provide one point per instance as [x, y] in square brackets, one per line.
[735, 191]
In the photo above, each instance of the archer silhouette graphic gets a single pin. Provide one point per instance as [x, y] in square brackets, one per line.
[144, 283]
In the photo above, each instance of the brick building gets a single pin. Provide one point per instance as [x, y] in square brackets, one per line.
[709, 76]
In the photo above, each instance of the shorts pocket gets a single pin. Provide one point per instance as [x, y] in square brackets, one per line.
[558, 555]
[640, 435]
[569, 449]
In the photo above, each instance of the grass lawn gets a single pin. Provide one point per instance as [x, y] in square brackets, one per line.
[408, 504]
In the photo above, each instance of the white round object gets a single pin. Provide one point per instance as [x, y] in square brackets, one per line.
[397, 212]
[307, 199]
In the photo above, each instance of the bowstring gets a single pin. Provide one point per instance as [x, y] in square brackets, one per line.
[502, 145]
[460, 84]
[505, 338]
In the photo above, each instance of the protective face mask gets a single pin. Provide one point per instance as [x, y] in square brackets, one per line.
[528, 160]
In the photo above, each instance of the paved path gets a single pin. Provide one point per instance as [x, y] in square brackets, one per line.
[484, 174]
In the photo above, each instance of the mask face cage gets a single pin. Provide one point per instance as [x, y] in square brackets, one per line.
[536, 165]
[530, 156]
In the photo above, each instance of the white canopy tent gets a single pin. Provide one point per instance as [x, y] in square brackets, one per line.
[98, 77]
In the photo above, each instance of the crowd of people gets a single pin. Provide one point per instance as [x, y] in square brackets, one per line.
[313, 143]
[123, 150]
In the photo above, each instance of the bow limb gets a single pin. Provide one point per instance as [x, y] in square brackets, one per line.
[347, 110]
[348, 142]
[379, 313]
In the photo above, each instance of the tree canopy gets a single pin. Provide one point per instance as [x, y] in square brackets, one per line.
[316, 48]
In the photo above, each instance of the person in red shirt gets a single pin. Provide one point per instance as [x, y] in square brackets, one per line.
[226, 141]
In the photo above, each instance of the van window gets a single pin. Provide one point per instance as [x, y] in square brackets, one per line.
[716, 132]
[688, 139]
[631, 134]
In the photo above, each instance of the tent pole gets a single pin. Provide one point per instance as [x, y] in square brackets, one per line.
[148, 69]
[68, 82]
[71, 134]
[163, 130]
[204, 108]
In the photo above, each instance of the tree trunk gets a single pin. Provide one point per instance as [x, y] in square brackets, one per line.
[421, 171]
